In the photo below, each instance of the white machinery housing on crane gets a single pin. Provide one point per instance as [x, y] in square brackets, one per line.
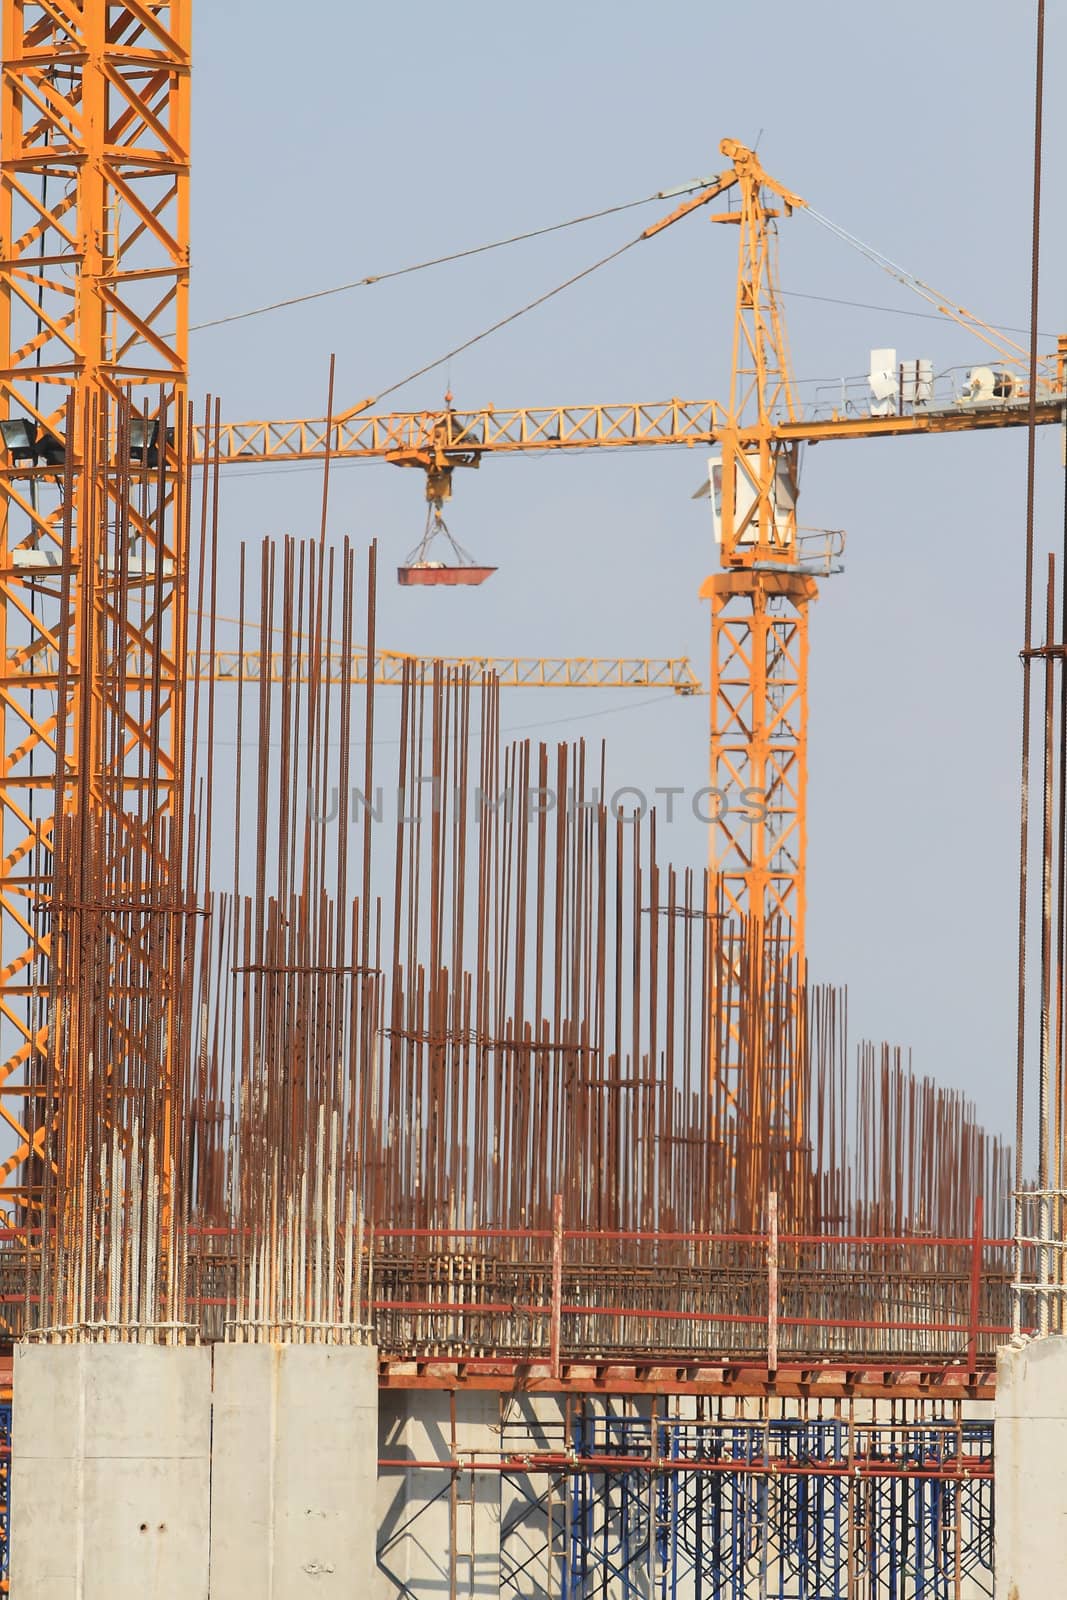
[899, 386]
[986, 386]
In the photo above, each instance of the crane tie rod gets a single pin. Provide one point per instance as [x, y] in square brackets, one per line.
[495, 327]
[704, 192]
[456, 255]
[943, 304]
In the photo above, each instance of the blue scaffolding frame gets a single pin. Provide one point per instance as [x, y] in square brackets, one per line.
[762, 1519]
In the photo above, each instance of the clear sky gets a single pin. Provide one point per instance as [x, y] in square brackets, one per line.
[339, 140]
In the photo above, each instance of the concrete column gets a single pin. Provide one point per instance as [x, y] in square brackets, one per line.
[110, 1474]
[439, 1535]
[294, 1472]
[1030, 1444]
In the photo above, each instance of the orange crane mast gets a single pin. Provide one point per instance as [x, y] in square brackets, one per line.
[94, 277]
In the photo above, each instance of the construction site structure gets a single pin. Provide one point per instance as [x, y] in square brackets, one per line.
[97, 189]
[95, 180]
[550, 1118]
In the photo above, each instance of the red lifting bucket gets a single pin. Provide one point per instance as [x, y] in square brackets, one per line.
[435, 572]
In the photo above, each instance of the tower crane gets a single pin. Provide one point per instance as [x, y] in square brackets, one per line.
[769, 564]
[94, 273]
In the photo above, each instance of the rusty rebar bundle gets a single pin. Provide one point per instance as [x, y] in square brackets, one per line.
[462, 993]
[108, 1091]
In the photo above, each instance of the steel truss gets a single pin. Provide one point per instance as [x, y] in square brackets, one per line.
[94, 214]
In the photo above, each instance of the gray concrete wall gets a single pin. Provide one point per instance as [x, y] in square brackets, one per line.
[294, 1472]
[1031, 1470]
[110, 1478]
[142, 1473]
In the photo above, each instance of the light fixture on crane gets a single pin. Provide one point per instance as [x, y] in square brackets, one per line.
[144, 441]
[29, 445]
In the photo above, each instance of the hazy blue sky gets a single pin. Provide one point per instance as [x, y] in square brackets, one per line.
[336, 140]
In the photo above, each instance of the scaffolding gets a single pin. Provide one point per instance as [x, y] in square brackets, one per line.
[678, 1498]
[786, 1508]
